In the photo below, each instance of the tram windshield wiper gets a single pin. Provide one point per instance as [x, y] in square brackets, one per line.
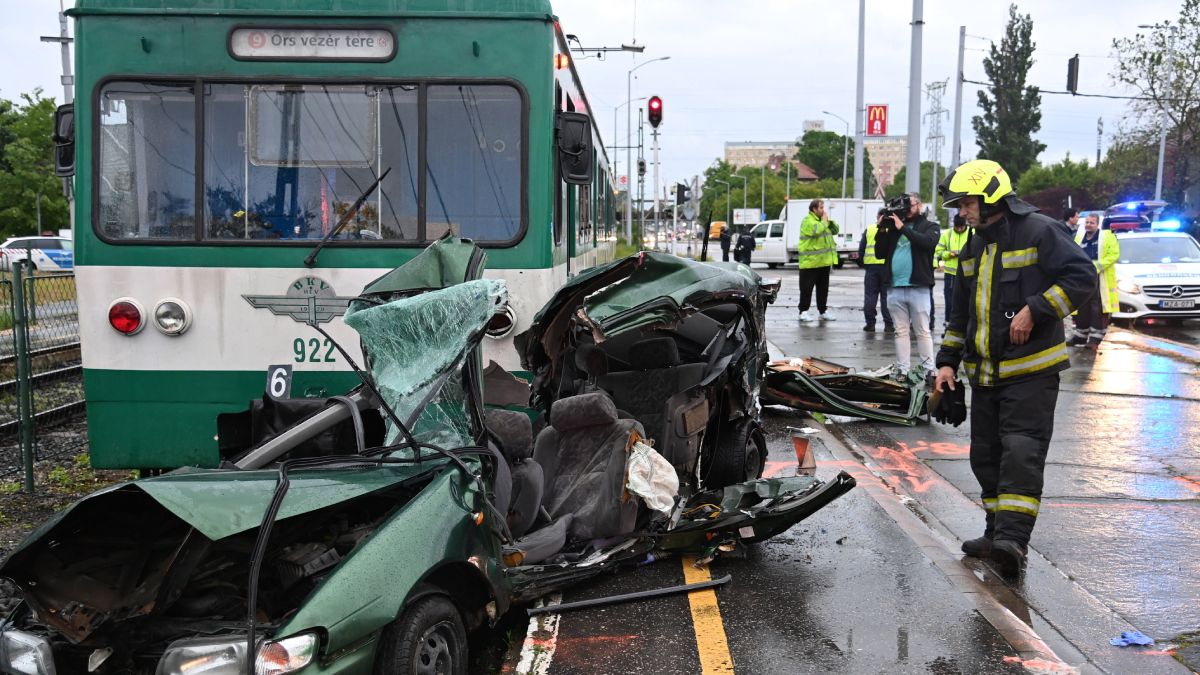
[312, 256]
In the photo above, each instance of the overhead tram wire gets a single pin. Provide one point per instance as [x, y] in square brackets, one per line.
[1110, 96]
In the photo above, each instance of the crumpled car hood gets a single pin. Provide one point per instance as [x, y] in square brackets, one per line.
[644, 289]
[221, 503]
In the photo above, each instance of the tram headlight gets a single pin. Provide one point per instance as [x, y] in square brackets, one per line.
[501, 324]
[172, 316]
[126, 316]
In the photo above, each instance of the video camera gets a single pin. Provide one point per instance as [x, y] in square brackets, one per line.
[900, 207]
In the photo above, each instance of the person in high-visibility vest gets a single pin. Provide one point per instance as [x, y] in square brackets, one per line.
[818, 255]
[1091, 321]
[874, 284]
[949, 246]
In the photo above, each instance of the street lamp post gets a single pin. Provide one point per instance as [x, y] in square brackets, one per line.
[618, 146]
[745, 185]
[845, 149]
[1162, 112]
[628, 133]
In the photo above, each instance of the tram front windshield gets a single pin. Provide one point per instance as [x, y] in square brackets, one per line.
[282, 162]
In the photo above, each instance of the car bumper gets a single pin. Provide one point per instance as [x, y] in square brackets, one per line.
[1142, 306]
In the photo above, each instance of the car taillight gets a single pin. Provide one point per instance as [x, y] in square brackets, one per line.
[126, 316]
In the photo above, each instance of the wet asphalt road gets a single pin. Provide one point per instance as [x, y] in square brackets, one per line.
[856, 588]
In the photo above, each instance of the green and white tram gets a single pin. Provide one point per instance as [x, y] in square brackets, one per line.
[219, 141]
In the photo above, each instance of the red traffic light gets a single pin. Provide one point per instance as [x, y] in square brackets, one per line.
[655, 111]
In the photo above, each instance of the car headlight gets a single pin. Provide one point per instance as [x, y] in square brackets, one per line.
[1127, 286]
[204, 656]
[287, 655]
[25, 653]
[227, 656]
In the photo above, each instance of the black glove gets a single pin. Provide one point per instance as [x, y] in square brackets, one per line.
[949, 406]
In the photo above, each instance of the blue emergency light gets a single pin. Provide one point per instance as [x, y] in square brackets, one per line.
[1172, 225]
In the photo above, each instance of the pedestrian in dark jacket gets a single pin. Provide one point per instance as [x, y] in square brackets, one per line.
[906, 247]
[744, 247]
[1070, 221]
[726, 241]
[1018, 278]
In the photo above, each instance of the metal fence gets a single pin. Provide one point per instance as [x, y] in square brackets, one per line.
[41, 380]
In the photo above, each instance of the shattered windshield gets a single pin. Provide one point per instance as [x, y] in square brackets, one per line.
[417, 347]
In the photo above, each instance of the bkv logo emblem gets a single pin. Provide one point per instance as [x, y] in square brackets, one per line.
[308, 300]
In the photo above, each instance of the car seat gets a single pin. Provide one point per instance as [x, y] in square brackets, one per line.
[582, 454]
[652, 391]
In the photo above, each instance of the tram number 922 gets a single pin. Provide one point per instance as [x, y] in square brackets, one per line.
[314, 350]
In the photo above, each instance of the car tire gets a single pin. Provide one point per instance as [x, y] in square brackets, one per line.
[740, 455]
[772, 265]
[428, 639]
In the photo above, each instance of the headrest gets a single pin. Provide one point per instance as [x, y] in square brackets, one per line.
[584, 410]
[513, 430]
[654, 353]
[591, 360]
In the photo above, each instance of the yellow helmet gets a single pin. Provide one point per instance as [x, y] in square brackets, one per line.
[981, 178]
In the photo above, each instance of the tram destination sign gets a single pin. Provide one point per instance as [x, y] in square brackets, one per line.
[261, 43]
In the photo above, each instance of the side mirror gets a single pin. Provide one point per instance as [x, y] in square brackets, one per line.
[64, 141]
[573, 132]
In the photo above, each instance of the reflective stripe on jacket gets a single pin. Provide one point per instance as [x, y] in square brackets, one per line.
[1110, 252]
[816, 246]
[869, 257]
[1015, 263]
[951, 242]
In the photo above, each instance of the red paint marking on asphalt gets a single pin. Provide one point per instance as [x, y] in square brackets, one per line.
[773, 469]
[1041, 665]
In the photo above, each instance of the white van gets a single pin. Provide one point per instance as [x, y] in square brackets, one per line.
[776, 240]
[770, 243]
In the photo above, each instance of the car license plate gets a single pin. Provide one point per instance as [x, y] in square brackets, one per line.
[1178, 304]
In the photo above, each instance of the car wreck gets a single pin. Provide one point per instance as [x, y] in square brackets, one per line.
[372, 531]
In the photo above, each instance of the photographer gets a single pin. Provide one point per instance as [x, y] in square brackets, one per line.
[906, 242]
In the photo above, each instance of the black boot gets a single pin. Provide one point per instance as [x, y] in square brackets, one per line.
[1009, 556]
[979, 547]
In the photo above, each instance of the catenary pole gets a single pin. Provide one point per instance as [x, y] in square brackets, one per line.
[858, 102]
[912, 178]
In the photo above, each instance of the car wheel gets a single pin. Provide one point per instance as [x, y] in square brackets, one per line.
[772, 265]
[739, 457]
[427, 639]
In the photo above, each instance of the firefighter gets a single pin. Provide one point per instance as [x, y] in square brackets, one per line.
[1018, 277]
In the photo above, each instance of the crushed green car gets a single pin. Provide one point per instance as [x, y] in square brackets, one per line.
[372, 534]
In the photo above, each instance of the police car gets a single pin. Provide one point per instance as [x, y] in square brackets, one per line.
[48, 254]
[1158, 275]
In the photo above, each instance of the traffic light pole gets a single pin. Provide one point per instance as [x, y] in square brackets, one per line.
[654, 137]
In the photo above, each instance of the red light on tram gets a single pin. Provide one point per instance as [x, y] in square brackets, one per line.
[561, 61]
[125, 317]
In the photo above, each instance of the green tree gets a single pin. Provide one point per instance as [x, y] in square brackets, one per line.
[1012, 110]
[823, 152]
[1066, 174]
[1163, 67]
[1129, 169]
[27, 169]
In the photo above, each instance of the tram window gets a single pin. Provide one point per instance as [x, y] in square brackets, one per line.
[473, 184]
[146, 182]
[302, 155]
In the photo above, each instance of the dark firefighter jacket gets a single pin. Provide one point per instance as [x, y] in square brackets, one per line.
[1023, 259]
[923, 236]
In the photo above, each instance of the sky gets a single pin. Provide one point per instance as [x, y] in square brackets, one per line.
[755, 70]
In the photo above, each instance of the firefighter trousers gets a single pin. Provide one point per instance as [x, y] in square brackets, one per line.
[1011, 426]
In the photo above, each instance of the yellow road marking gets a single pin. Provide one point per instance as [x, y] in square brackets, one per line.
[711, 644]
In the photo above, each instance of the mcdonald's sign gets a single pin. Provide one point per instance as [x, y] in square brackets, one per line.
[877, 120]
